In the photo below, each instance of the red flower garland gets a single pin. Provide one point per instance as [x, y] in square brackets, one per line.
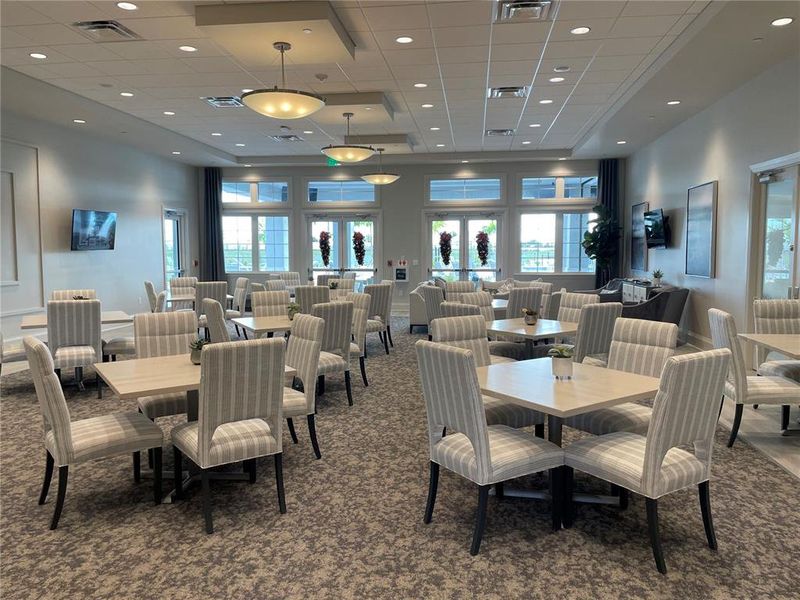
[325, 247]
[358, 247]
[445, 247]
[482, 240]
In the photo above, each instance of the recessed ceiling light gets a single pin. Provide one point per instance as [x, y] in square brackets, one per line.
[248, 165]
[463, 162]
[169, 113]
[187, 48]
[545, 101]
[620, 142]
[427, 106]
[126, 94]
[440, 145]
[434, 129]
[38, 55]
[246, 90]
[674, 102]
[240, 145]
[535, 125]
[367, 108]
[308, 132]
[175, 152]
[580, 30]
[420, 85]
[782, 22]
[216, 134]
[127, 5]
[561, 69]
[78, 121]
[404, 39]
[525, 143]
[562, 158]
[307, 30]
[556, 79]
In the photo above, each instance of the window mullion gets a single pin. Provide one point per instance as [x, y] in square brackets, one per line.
[255, 249]
[558, 253]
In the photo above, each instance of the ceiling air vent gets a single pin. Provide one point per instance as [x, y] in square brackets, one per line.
[499, 132]
[522, 10]
[106, 31]
[287, 138]
[513, 91]
[224, 101]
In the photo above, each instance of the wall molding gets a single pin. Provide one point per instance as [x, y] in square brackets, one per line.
[776, 163]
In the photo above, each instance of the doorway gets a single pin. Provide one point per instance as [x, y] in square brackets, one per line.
[349, 252]
[465, 261]
[779, 267]
[174, 247]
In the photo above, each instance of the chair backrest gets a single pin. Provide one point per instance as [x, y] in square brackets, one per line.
[553, 304]
[216, 290]
[454, 289]
[349, 275]
[457, 309]
[324, 278]
[380, 307]
[182, 282]
[72, 294]
[547, 292]
[309, 295]
[240, 381]
[270, 304]
[453, 398]
[55, 413]
[724, 335]
[640, 346]
[74, 323]
[685, 412]
[483, 300]
[292, 278]
[274, 285]
[240, 293]
[164, 334]
[303, 351]
[150, 290]
[524, 297]
[775, 316]
[161, 301]
[258, 287]
[571, 304]
[361, 310]
[433, 297]
[215, 318]
[464, 332]
[343, 284]
[338, 317]
[595, 326]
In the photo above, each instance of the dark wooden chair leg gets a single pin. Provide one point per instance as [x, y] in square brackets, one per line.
[312, 431]
[58, 374]
[157, 475]
[137, 467]
[556, 498]
[499, 490]
[623, 498]
[389, 333]
[279, 483]
[705, 509]
[48, 475]
[364, 372]
[178, 469]
[348, 388]
[79, 378]
[480, 519]
[99, 383]
[538, 430]
[236, 327]
[320, 385]
[410, 329]
[292, 432]
[204, 481]
[721, 405]
[737, 420]
[244, 331]
[150, 459]
[655, 539]
[386, 342]
[433, 485]
[250, 469]
[785, 417]
[63, 475]
[568, 509]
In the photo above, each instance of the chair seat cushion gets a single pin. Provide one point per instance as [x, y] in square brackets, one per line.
[774, 368]
[596, 360]
[513, 350]
[202, 321]
[294, 403]
[331, 363]
[355, 350]
[13, 353]
[231, 442]
[500, 412]
[499, 360]
[374, 325]
[767, 390]
[98, 437]
[630, 417]
[513, 453]
[74, 356]
[163, 405]
[232, 314]
[619, 458]
[120, 345]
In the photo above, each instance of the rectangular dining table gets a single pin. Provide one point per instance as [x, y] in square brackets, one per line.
[500, 307]
[787, 344]
[544, 329]
[107, 317]
[171, 298]
[258, 326]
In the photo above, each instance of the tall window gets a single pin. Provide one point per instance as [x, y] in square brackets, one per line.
[237, 244]
[469, 190]
[341, 191]
[573, 258]
[273, 243]
[551, 242]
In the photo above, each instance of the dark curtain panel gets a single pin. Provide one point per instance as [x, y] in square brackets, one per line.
[608, 196]
[212, 263]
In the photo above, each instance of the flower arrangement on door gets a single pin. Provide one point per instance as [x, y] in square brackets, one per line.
[358, 247]
[482, 241]
[325, 247]
[445, 246]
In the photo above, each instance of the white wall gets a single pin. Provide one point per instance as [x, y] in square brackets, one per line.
[756, 122]
[78, 170]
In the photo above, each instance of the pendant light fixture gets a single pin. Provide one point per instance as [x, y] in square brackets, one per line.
[280, 102]
[348, 153]
[380, 177]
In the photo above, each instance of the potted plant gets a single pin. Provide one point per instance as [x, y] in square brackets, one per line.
[657, 275]
[197, 350]
[601, 243]
[333, 285]
[293, 309]
[562, 361]
[530, 316]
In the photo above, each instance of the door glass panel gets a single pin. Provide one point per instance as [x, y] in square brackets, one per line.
[172, 256]
[364, 272]
[273, 243]
[778, 239]
[538, 242]
[477, 270]
[237, 244]
[449, 272]
[317, 265]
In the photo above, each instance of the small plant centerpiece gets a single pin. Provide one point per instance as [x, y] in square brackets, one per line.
[530, 316]
[562, 361]
[325, 247]
[445, 247]
[197, 350]
[482, 242]
[292, 310]
[333, 285]
[80, 298]
[359, 249]
[657, 275]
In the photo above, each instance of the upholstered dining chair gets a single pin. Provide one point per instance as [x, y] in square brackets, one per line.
[183, 286]
[637, 346]
[68, 443]
[324, 278]
[275, 285]
[292, 280]
[458, 309]
[380, 308]
[518, 298]
[744, 389]
[307, 296]
[257, 287]
[454, 289]
[14, 352]
[571, 304]
[152, 297]
[270, 304]
[118, 346]
[215, 321]
[240, 414]
[240, 289]
[85, 294]
[216, 290]
[302, 353]
[483, 300]
[484, 454]
[343, 287]
[335, 354]
[547, 291]
[358, 347]
[390, 283]
[656, 464]
[777, 316]
[73, 335]
[433, 296]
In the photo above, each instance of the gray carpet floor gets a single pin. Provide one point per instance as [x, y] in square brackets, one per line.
[354, 523]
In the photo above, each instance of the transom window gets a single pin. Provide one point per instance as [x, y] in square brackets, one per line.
[465, 190]
[559, 188]
[245, 192]
[550, 242]
[354, 190]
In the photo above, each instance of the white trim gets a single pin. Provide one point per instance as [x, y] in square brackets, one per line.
[21, 311]
[776, 163]
[364, 205]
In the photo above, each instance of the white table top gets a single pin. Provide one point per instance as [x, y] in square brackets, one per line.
[544, 328]
[530, 383]
[107, 317]
[179, 297]
[499, 303]
[261, 325]
[787, 344]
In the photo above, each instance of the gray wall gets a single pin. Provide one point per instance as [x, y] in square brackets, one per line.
[78, 170]
[756, 122]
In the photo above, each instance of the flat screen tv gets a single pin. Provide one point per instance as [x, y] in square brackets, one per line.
[93, 230]
[656, 229]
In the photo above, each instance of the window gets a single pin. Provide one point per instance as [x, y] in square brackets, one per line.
[551, 242]
[461, 190]
[573, 258]
[341, 191]
[580, 187]
[559, 188]
[534, 188]
[237, 244]
[273, 243]
[273, 191]
[235, 191]
[245, 192]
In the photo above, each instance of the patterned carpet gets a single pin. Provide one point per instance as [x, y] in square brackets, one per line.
[354, 523]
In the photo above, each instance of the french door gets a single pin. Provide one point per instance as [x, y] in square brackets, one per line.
[780, 267]
[173, 245]
[352, 242]
[464, 261]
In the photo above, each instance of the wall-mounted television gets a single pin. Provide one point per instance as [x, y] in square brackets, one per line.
[656, 229]
[93, 230]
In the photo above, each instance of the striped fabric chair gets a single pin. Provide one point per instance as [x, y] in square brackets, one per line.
[73, 335]
[637, 346]
[275, 285]
[654, 465]
[483, 300]
[518, 298]
[571, 304]
[85, 294]
[380, 308]
[744, 389]
[358, 347]
[484, 454]
[215, 320]
[270, 304]
[553, 306]
[470, 333]
[433, 296]
[70, 442]
[302, 353]
[390, 283]
[216, 290]
[309, 295]
[454, 289]
[777, 316]
[257, 287]
[458, 309]
[547, 292]
[595, 329]
[183, 286]
[118, 346]
[152, 297]
[164, 334]
[240, 289]
[343, 287]
[292, 280]
[324, 278]
[14, 352]
[335, 354]
[240, 414]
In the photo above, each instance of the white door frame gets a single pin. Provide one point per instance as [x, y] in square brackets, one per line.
[182, 247]
[342, 216]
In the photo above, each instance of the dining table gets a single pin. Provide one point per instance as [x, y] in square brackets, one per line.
[787, 344]
[500, 307]
[542, 330]
[107, 317]
[258, 326]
